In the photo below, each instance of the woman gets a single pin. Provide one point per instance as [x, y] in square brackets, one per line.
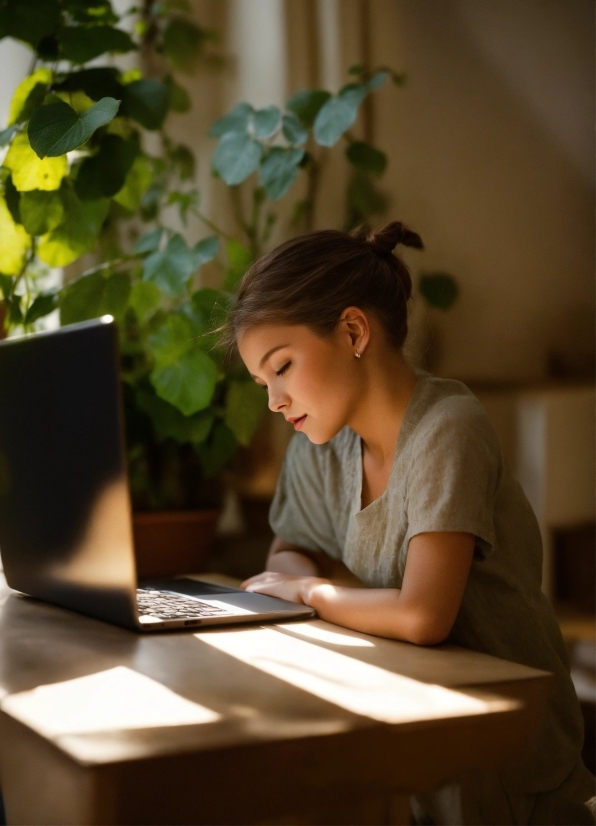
[395, 513]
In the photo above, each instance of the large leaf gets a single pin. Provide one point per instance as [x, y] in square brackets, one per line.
[29, 95]
[188, 384]
[206, 250]
[293, 130]
[77, 233]
[29, 21]
[43, 304]
[12, 196]
[146, 101]
[14, 242]
[176, 336]
[338, 115]
[236, 156]
[178, 97]
[170, 423]
[29, 171]
[239, 259]
[265, 121]
[367, 158]
[439, 289]
[246, 402]
[279, 170]
[91, 11]
[144, 299]
[56, 128]
[307, 104]
[210, 307]
[182, 42]
[102, 175]
[136, 184]
[93, 296]
[79, 44]
[149, 242]
[171, 268]
[236, 120]
[41, 212]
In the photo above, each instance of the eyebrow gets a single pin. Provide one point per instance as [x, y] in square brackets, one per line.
[269, 353]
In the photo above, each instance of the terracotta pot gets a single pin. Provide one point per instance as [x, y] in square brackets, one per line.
[169, 543]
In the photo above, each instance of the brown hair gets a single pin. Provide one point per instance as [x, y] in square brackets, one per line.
[311, 279]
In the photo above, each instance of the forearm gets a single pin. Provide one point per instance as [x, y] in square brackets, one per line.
[379, 611]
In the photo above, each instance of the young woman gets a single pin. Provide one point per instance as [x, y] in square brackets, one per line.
[395, 513]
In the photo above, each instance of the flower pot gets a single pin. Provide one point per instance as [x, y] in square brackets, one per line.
[169, 543]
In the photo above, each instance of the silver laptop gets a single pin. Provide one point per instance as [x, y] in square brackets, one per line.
[65, 512]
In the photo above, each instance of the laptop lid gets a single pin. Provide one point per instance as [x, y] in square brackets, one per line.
[65, 514]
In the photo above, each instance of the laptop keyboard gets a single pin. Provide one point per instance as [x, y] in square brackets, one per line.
[166, 605]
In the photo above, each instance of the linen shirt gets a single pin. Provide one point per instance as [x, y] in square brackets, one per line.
[448, 474]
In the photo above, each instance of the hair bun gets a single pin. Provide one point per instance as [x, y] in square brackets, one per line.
[387, 238]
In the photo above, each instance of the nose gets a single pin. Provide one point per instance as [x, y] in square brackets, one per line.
[278, 400]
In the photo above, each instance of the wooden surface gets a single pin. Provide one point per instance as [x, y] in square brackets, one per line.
[294, 723]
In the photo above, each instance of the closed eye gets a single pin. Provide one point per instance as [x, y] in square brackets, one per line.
[283, 369]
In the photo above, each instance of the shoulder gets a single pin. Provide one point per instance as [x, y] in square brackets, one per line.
[447, 411]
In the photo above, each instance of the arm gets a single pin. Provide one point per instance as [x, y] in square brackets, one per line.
[286, 558]
[422, 612]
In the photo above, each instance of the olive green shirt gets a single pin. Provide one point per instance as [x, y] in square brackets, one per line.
[448, 475]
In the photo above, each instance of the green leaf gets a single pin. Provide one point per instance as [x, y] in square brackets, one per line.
[188, 384]
[265, 121]
[170, 423]
[43, 305]
[293, 130]
[182, 42]
[29, 95]
[146, 101]
[14, 242]
[148, 242]
[172, 268]
[95, 295]
[182, 157]
[216, 452]
[77, 233]
[56, 128]
[236, 157]
[206, 250]
[178, 97]
[90, 11]
[363, 199]
[7, 285]
[239, 258]
[439, 289]
[144, 299]
[30, 21]
[279, 170]
[236, 120]
[307, 104]
[13, 200]
[80, 44]
[30, 172]
[103, 175]
[338, 114]
[377, 80]
[136, 184]
[367, 158]
[176, 336]
[246, 403]
[41, 212]
[7, 134]
[97, 83]
[184, 201]
[210, 308]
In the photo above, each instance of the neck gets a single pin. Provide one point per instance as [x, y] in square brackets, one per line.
[388, 386]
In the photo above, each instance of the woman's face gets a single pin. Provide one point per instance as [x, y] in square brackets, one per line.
[313, 381]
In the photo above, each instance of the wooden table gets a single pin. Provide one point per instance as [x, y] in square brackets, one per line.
[296, 723]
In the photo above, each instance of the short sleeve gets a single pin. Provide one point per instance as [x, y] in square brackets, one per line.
[453, 481]
[299, 513]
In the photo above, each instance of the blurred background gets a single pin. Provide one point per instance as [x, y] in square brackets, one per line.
[486, 124]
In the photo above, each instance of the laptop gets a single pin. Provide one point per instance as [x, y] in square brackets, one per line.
[65, 512]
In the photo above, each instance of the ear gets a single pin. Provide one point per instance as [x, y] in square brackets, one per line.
[357, 327]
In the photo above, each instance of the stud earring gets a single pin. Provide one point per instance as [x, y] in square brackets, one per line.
[357, 354]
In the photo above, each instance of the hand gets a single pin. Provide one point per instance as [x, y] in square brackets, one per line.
[284, 586]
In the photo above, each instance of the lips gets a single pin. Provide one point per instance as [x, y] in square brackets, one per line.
[297, 421]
